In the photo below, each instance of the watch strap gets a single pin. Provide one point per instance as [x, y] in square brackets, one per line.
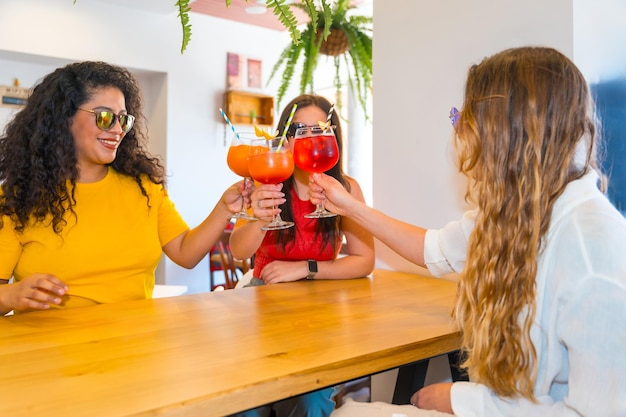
[312, 268]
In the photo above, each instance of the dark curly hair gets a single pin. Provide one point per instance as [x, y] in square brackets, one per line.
[38, 163]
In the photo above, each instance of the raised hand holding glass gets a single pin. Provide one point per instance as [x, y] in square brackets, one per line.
[315, 150]
[237, 160]
[271, 162]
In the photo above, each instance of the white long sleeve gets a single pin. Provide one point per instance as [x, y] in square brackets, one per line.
[579, 331]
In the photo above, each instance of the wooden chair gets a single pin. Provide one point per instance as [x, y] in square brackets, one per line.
[233, 268]
[215, 265]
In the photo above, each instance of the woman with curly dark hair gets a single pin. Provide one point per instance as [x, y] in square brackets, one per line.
[84, 212]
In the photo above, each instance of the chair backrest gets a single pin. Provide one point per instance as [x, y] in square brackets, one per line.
[233, 268]
[231, 273]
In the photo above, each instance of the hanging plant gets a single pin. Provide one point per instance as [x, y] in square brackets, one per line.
[348, 39]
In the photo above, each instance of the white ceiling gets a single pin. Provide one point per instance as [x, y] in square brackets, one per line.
[218, 9]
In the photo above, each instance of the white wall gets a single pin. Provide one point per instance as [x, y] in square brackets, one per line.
[422, 51]
[600, 39]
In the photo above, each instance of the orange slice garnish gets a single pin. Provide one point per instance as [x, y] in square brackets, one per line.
[324, 125]
[262, 133]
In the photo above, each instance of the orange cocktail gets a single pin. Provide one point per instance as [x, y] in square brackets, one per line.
[237, 159]
[270, 162]
[270, 167]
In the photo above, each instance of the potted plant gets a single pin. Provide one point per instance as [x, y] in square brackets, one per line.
[331, 31]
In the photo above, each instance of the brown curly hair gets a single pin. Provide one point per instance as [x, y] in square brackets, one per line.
[525, 114]
[38, 164]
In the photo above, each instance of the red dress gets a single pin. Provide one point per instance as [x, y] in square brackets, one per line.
[306, 244]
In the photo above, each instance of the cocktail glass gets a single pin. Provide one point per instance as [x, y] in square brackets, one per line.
[315, 150]
[270, 162]
[237, 160]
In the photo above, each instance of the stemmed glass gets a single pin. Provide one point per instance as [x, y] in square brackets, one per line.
[237, 160]
[271, 162]
[315, 150]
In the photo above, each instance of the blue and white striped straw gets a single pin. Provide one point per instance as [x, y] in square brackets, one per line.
[229, 123]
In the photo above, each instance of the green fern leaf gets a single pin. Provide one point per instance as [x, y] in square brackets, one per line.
[286, 17]
[309, 7]
[183, 13]
[337, 82]
[310, 60]
[327, 14]
[289, 57]
[284, 55]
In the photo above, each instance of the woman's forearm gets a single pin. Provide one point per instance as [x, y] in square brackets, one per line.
[246, 239]
[405, 239]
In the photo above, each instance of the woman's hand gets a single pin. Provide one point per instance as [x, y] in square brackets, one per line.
[233, 195]
[284, 271]
[434, 397]
[265, 200]
[326, 189]
[36, 292]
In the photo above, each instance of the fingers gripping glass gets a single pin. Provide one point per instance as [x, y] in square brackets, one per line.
[105, 119]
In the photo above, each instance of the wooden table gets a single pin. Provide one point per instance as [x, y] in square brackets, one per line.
[213, 354]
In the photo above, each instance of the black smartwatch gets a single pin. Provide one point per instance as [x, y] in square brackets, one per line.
[312, 267]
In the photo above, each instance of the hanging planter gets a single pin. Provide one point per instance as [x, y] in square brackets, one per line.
[335, 44]
[332, 32]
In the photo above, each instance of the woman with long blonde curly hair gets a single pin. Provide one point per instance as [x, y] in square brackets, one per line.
[541, 298]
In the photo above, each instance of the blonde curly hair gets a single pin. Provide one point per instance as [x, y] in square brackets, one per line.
[526, 114]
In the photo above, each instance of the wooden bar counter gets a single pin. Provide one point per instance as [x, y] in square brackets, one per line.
[217, 353]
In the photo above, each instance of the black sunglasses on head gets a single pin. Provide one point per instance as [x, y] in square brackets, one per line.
[291, 132]
[293, 128]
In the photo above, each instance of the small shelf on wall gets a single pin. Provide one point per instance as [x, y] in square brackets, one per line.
[14, 96]
[243, 107]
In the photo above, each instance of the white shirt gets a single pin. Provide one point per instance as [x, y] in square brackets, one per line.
[579, 331]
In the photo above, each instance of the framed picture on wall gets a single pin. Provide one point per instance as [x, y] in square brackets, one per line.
[254, 73]
[233, 70]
